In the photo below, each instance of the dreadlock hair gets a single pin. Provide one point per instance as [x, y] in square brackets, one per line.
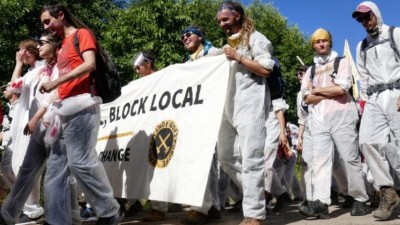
[55, 42]
[55, 7]
[246, 23]
[30, 45]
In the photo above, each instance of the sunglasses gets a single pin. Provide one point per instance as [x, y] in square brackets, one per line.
[43, 42]
[187, 35]
[300, 73]
[365, 17]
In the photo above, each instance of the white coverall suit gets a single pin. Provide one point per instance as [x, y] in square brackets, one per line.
[244, 116]
[380, 119]
[333, 125]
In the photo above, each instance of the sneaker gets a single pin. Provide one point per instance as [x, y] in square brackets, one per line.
[237, 207]
[213, 214]
[389, 202]
[348, 202]
[154, 215]
[359, 209]
[280, 202]
[315, 209]
[25, 219]
[194, 217]
[251, 221]
[112, 220]
[88, 214]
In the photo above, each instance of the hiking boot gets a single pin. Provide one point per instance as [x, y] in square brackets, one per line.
[213, 214]
[359, 209]
[348, 202]
[315, 209]
[112, 220]
[388, 203]
[25, 219]
[280, 202]
[194, 217]
[375, 200]
[154, 215]
[334, 198]
[251, 221]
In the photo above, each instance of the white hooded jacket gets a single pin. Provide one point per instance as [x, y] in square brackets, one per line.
[380, 65]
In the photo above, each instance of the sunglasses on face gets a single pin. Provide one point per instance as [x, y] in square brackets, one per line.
[187, 35]
[365, 17]
[43, 42]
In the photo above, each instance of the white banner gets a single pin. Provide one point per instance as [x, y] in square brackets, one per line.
[156, 141]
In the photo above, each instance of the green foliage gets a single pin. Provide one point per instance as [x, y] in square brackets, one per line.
[126, 27]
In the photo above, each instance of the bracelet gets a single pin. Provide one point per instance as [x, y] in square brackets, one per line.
[240, 59]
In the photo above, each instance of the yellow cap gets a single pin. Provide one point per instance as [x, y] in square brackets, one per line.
[321, 34]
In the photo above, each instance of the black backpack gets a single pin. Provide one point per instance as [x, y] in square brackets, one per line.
[105, 78]
[365, 46]
[275, 81]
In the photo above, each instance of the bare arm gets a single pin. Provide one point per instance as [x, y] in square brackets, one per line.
[250, 64]
[88, 65]
[31, 125]
[331, 91]
[300, 138]
[18, 65]
[313, 99]
[282, 127]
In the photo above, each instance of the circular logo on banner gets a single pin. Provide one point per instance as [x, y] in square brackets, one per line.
[162, 143]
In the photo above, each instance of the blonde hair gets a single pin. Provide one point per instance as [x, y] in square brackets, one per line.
[321, 34]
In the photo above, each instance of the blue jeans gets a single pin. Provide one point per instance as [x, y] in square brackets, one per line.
[74, 158]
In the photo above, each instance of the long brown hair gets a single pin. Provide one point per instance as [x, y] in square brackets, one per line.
[55, 7]
[55, 42]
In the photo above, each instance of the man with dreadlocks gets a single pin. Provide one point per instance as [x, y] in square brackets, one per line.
[247, 102]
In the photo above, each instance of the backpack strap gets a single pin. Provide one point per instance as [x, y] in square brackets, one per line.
[76, 44]
[312, 75]
[336, 66]
[78, 50]
[393, 44]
